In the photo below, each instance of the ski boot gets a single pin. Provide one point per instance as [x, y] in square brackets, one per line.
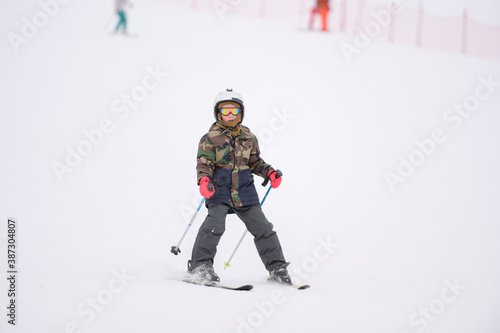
[280, 274]
[203, 274]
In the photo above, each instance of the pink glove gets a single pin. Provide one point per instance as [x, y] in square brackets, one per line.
[206, 187]
[275, 178]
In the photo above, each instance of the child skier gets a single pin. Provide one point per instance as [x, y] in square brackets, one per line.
[227, 156]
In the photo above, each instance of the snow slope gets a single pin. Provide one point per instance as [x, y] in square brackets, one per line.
[93, 243]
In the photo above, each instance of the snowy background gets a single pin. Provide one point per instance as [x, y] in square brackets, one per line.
[389, 205]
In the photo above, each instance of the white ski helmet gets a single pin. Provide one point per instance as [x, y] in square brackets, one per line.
[228, 96]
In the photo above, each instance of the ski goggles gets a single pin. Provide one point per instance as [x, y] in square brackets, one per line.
[227, 111]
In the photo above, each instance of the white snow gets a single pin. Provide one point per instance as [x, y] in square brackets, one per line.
[94, 243]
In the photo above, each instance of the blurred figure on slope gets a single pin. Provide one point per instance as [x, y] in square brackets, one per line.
[322, 9]
[120, 11]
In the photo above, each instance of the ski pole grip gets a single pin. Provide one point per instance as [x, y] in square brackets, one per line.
[210, 187]
[278, 175]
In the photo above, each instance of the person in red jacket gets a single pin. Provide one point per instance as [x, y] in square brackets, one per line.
[322, 9]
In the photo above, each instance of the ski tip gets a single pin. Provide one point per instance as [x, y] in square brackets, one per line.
[302, 287]
[246, 287]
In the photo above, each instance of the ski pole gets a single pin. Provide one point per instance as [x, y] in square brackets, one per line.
[175, 249]
[227, 263]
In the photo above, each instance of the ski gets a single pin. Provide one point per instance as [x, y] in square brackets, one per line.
[302, 287]
[246, 287]
[296, 286]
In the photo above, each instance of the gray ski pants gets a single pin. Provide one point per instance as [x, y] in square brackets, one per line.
[265, 238]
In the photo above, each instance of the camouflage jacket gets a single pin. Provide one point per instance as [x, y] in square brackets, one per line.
[231, 162]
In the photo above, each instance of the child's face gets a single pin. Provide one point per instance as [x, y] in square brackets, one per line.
[230, 117]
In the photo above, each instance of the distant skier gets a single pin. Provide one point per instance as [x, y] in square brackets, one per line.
[121, 6]
[322, 8]
[228, 156]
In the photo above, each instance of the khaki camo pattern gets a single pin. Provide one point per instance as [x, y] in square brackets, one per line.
[225, 151]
